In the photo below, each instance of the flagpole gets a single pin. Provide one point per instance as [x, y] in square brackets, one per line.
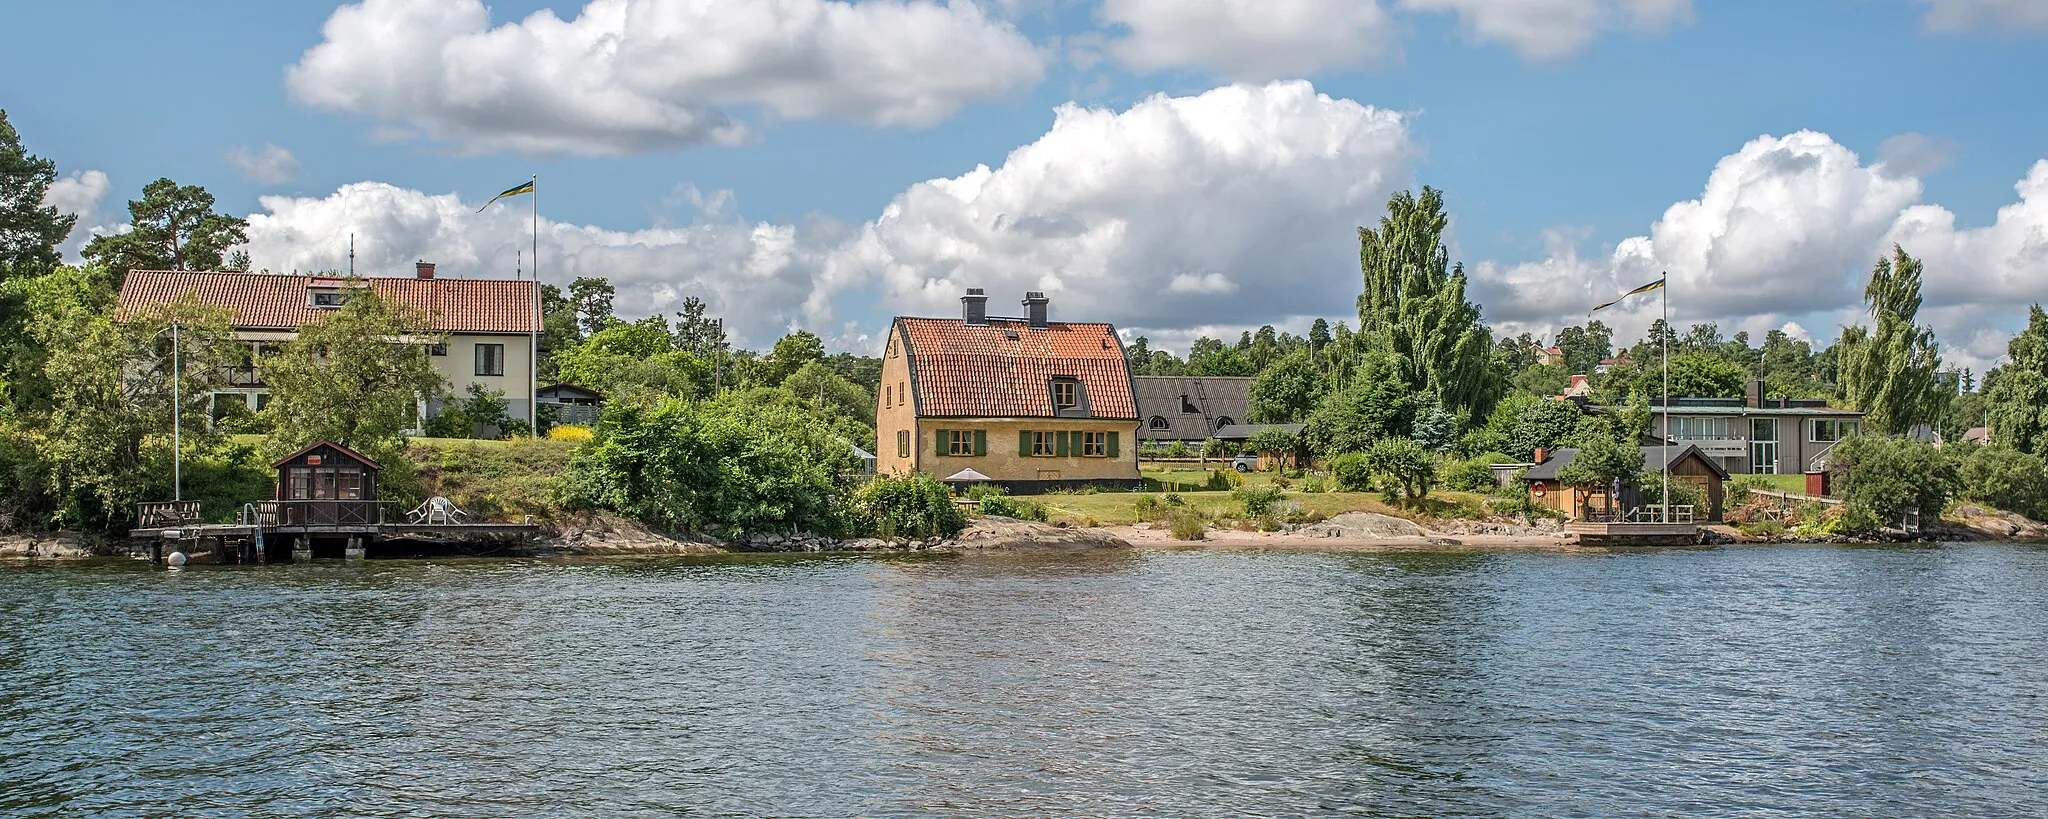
[533, 339]
[1665, 297]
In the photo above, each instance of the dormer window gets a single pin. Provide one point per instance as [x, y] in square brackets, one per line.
[1188, 407]
[327, 298]
[1066, 394]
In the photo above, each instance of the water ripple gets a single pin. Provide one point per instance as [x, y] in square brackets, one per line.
[1757, 682]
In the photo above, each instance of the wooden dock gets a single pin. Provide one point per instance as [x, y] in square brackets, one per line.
[1630, 533]
[297, 527]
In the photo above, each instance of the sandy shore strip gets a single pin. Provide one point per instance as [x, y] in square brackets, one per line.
[1146, 537]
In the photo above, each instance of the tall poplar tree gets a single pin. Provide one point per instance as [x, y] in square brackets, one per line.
[1414, 307]
[1887, 371]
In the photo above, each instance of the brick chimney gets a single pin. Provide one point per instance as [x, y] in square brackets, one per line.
[424, 270]
[1542, 454]
[1754, 398]
[1034, 309]
[974, 307]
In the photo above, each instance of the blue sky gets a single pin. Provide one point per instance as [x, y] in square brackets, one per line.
[1551, 154]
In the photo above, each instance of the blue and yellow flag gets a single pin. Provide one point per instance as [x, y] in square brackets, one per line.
[523, 187]
[1636, 292]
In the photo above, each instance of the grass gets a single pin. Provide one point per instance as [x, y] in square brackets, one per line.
[1119, 508]
[502, 480]
[1795, 484]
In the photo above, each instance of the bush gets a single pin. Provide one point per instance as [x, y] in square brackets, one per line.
[1187, 524]
[1474, 474]
[571, 433]
[1887, 476]
[915, 506]
[2007, 479]
[1222, 480]
[1403, 466]
[1683, 493]
[1179, 449]
[1147, 507]
[1258, 501]
[1314, 485]
[1173, 499]
[1351, 472]
[1218, 448]
[990, 500]
[1283, 481]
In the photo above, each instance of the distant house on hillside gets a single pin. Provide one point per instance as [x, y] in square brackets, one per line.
[1190, 408]
[491, 325]
[1031, 403]
[571, 404]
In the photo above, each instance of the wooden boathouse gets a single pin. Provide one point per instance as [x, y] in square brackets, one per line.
[326, 504]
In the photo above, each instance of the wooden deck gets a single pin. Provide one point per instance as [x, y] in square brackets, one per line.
[1634, 534]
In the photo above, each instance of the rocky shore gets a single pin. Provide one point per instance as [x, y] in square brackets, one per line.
[607, 536]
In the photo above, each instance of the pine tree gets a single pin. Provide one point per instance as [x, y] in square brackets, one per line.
[29, 230]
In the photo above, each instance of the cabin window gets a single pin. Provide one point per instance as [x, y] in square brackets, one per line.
[960, 442]
[300, 484]
[1044, 445]
[903, 443]
[1828, 431]
[1159, 422]
[348, 484]
[438, 348]
[1066, 394]
[490, 359]
[1095, 445]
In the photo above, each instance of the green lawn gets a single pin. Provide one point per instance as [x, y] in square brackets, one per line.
[1795, 484]
[1120, 508]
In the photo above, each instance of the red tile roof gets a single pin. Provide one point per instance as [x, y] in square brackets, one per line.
[976, 371]
[270, 301]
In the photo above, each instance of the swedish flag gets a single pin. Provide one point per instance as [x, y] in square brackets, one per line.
[523, 187]
[1636, 292]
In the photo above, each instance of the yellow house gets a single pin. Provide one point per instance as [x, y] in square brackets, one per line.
[1032, 404]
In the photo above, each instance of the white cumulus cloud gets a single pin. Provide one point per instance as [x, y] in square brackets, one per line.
[1790, 227]
[1268, 39]
[269, 165]
[1251, 39]
[1221, 208]
[79, 194]
[1554, 29]
[627, 76]
[1988, 15]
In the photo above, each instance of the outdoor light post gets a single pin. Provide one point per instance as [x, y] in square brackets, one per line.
[177, 428]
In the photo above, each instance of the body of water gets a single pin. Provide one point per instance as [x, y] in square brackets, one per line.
[1776, 681]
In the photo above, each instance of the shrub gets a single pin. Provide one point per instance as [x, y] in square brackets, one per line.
[1187, 524]
[1283, 482]
[1173, 499]
[1403, 466]
[2007, 479]
[990, 500]
[1147, 507]
[1314, 485]
[1351, 472]
[1683, 493]
[1222, 480]
[1887, 476]
[1179, 449]
[1258, 501]
[1740, 485]
[1474, 474]
[1218, 448]
[914, 506]
[570, 433]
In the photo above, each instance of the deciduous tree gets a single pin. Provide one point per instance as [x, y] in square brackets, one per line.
[1888, 370]
[355, 377]
[1414, 307]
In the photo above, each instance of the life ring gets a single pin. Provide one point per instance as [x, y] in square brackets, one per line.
[1540, 491]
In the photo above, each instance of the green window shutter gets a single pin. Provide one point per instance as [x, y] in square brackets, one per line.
[1060, 441]
[1024, 443]
[981, 442]
[945, 443]
[1112, 445]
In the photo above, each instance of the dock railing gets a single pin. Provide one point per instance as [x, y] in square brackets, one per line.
[166, 514]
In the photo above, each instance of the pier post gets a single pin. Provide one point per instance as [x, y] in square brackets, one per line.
[302, 549]
[356, 549]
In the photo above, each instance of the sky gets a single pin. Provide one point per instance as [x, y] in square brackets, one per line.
[1176, 167]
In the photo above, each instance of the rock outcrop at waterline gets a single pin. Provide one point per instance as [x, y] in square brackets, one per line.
[608, 536]
[49, 546]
